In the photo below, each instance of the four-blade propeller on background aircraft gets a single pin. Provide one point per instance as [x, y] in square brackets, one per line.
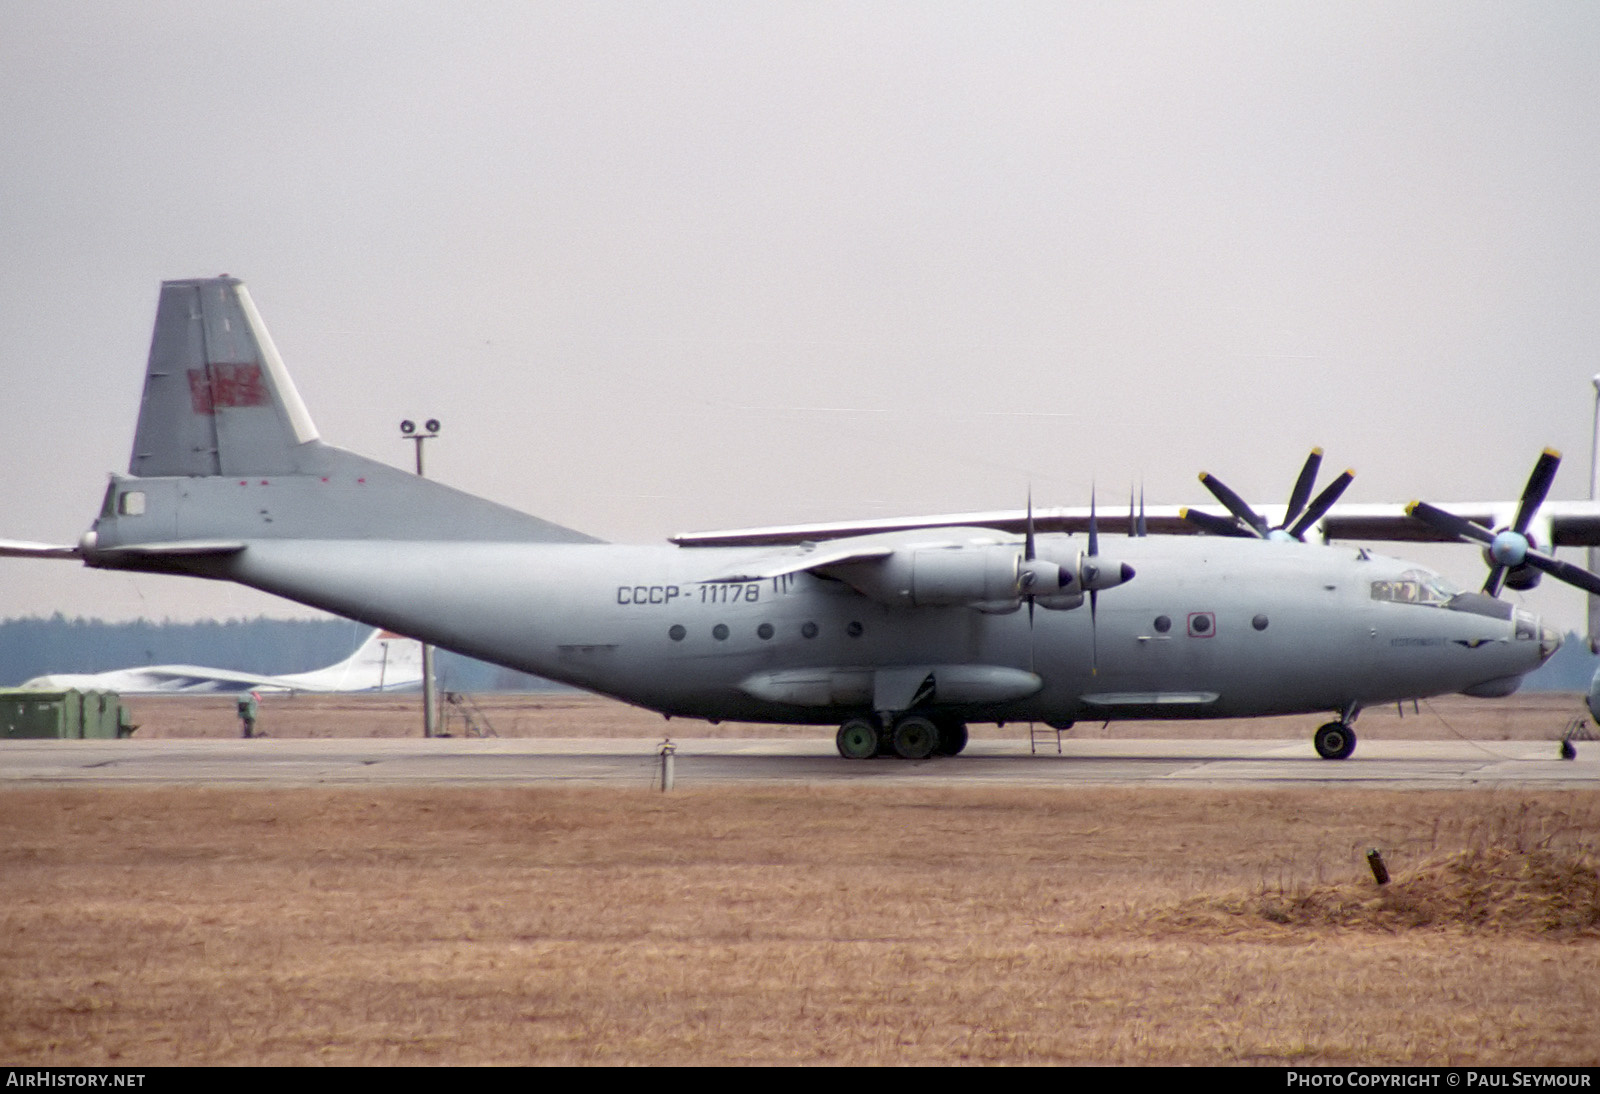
[1512, 553]
[1247, 522]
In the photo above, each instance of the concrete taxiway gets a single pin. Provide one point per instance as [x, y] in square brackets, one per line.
[701, 762]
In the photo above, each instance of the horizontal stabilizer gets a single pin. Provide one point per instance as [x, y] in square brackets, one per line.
[21, 548]
[187, 549]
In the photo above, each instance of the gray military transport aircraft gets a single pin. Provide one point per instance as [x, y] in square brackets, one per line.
[901, 633]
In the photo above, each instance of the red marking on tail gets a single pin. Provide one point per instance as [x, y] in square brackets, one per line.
[226, 385]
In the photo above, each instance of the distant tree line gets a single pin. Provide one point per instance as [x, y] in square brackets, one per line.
[38, 647]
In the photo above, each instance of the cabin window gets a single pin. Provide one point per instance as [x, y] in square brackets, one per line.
[1259, 622]
[720, 631]
[854, 629]
[677, 632]
[764, 631]
[808, 630]
[1163, 624]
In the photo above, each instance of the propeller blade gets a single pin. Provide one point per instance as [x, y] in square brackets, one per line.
[1330, 494]
[1449, 523]
[1496, 579]
[1094, 632]
[1094, 594]
[1094, 526]
[1234, 503]
[1565, 571]
[1143, 528]
[1027, 542]
[1533, 495]
[1133, 524]
[1214, 525]
[1302, 487]
[1029, 555]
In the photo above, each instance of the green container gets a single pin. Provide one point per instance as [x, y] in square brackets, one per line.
[63, 715]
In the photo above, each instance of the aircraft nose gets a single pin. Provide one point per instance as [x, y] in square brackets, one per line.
[1549, 642]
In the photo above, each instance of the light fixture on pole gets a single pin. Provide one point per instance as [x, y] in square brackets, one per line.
[408, 431]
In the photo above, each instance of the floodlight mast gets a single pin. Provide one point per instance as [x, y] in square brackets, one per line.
[408, 431]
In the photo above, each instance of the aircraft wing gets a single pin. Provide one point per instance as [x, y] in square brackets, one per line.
[800, 557]
[1158, 520]
[1567, 524]
[157, 680]
[197, 677]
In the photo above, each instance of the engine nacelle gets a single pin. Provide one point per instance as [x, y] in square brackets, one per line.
[991, 577]
[932, 577]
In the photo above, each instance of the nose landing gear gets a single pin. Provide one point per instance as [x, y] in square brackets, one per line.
[1335, 741]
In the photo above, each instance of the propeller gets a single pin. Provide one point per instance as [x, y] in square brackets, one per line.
[1029, 580]
[1096, 573]
[1298, 518]
[1511, 549]
[1038, 577]
[1094, 594]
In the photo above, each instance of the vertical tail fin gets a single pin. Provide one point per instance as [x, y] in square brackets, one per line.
[217, 399]
[385, 662]
[225, 452]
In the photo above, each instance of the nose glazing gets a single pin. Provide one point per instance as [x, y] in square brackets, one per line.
[1549, 642]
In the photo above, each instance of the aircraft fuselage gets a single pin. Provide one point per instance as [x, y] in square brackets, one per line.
[1210, 627]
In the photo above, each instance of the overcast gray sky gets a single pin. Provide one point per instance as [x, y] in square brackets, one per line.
[661, 267]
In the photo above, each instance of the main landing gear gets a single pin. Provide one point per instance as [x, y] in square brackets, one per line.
[909, 736]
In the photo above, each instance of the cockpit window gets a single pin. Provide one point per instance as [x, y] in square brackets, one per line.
[1415, 587]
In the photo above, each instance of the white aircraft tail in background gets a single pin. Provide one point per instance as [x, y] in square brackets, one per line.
[385, 662]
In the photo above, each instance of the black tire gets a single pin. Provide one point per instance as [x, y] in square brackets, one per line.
[952, 736]
[1335, 741]
[915, 737]
[857, 739]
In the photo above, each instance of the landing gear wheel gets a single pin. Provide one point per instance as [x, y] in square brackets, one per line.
[1335, 741]
[857, 739]
[915, 738]
[952, 737]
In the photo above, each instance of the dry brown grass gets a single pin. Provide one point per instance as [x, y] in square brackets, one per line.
[1523, 870]
[800, 924]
